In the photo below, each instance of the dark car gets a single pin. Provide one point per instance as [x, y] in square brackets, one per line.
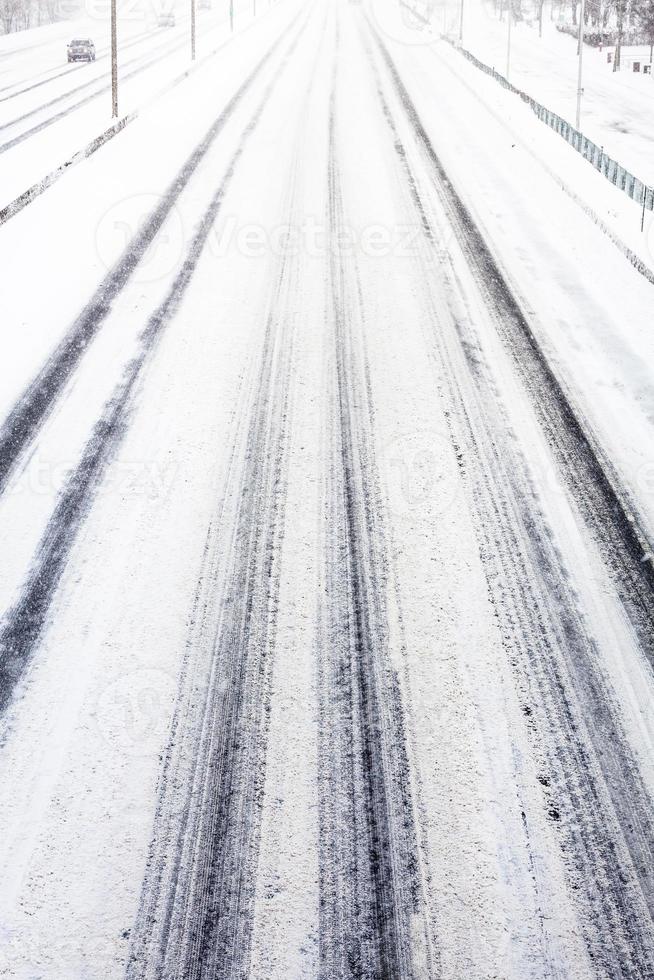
[81, 49]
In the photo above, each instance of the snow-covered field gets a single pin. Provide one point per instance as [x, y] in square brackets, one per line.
[326, 510]
[617, 107]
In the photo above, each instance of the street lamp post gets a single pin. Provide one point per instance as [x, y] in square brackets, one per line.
[231, 15]
[461, 25]
[508, 43]
[192, 30]
[114, 62]
[580, 90]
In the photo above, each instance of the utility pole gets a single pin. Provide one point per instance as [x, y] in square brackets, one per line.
[580, 90]
[192, 30]
[508, 43]
[114, 63]
[461, 25]
[231, 15]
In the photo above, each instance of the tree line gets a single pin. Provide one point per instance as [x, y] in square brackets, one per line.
[606, 22]
[18, 15]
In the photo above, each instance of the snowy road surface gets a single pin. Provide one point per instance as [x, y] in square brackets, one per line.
[326, 502]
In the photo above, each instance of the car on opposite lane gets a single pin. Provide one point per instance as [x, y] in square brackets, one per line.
[81, 49]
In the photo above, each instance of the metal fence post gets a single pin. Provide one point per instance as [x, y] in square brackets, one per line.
[582, 14]
[114, 62]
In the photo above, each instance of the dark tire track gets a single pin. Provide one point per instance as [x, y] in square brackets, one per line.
[35, 404]
[22, 628]
[595, 787]
[195, 916]
[603, 503]
[371, 906]
[196, 913]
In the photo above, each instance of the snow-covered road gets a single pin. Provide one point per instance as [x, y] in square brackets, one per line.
[326, 509]
[50, 109]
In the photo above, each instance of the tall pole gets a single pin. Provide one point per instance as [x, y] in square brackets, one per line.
[508, 43]
[580, 90]
[461, 25]
[192, 30]
[114, 63]
[231, 15]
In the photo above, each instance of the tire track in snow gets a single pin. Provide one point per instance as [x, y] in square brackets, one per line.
[195, 918]
[626, 550]
[196, 913]
[371, 910]
[22, 627]
[597, 784]
[37, 401]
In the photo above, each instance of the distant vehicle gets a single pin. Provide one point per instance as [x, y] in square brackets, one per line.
[166, 20]
[81, 49]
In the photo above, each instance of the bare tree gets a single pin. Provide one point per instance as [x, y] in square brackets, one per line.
[18, 15]
[644, 15]
[620, 14]
[9, 15]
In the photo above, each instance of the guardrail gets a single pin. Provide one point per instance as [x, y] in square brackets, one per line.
[618, 175]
